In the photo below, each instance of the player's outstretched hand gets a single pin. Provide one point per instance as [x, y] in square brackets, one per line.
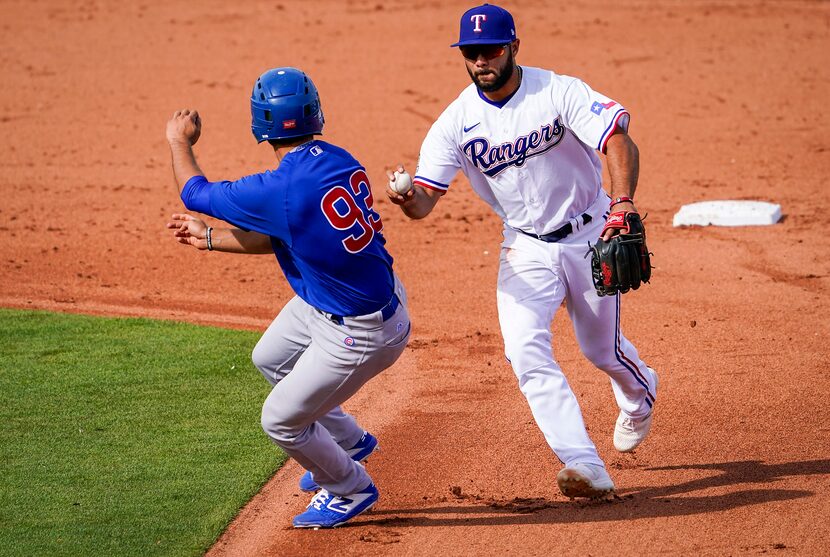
[185, 126]
[391, 193]
[189, 230]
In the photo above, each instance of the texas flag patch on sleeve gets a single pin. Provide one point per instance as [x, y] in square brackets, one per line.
[598, 107]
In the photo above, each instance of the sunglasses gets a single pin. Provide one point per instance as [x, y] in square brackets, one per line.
[489, 51]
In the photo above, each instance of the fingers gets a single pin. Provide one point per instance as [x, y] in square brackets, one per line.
[195, 242]
[395, 197]
[186, 226]
[182, 216]
[180, 220]
[399, 198]
[610, 233]
[391, 173]
[186, 113]
[179, 230]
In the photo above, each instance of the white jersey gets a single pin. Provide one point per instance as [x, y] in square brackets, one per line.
[532, 158]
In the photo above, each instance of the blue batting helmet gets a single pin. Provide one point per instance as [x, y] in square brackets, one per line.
[285, 104]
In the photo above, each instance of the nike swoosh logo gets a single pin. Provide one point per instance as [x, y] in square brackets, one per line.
[466, 129]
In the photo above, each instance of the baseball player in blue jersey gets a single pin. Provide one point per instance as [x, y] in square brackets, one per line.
[528, 140]
[348, 320]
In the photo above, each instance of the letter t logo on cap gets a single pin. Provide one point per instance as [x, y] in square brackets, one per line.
[478, 18]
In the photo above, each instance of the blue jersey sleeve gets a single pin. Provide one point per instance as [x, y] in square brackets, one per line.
[255, 202]
[317, 207]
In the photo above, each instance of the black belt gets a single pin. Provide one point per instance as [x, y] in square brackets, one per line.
[386, 311]
[558, 234]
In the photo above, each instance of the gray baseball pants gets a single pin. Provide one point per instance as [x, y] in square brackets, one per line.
[316, 364]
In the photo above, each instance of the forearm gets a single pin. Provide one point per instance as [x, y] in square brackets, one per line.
[623, 159]
[184, 163]
[234, 240]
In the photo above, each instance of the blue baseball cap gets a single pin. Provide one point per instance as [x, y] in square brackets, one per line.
[486, 24]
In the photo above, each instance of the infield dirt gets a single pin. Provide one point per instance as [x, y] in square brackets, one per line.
[728, 101]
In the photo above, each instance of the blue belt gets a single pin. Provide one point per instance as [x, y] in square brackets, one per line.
[386, 311]
[558, 234]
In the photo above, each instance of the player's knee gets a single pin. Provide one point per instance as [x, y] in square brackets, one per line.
[519, 362]
[526, 376]
[260, 357]
[524, 356]
[541, 379]
[264, 361]
[280, 423]
[603, 358]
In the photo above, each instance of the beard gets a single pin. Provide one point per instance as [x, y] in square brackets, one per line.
[502, 76]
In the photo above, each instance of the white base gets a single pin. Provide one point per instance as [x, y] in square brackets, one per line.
[728, 213]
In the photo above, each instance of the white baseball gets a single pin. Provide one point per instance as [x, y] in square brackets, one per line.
[402, 183]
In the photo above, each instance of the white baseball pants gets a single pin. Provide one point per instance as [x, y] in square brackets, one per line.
[535, 277]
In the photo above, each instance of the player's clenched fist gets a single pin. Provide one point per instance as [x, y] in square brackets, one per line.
[185, 126]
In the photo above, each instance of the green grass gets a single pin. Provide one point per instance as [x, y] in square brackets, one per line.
[125, 436]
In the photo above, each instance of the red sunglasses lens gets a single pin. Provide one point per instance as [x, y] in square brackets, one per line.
[489, 51]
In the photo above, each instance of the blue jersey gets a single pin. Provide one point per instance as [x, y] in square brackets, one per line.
[317, 209]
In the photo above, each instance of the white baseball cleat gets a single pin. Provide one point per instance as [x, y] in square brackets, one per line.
[585, 480]
[630, 432]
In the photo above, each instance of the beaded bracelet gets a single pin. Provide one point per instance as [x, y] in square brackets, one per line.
[209, 241]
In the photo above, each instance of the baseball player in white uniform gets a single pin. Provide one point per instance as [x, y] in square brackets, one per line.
[527, 139]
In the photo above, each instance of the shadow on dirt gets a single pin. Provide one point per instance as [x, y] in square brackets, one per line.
[637, 502]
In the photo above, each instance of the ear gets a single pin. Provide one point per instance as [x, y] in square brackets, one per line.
[515, 47]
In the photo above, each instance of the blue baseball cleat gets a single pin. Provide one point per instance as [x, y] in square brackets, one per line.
[330, 511]
[361, 451]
